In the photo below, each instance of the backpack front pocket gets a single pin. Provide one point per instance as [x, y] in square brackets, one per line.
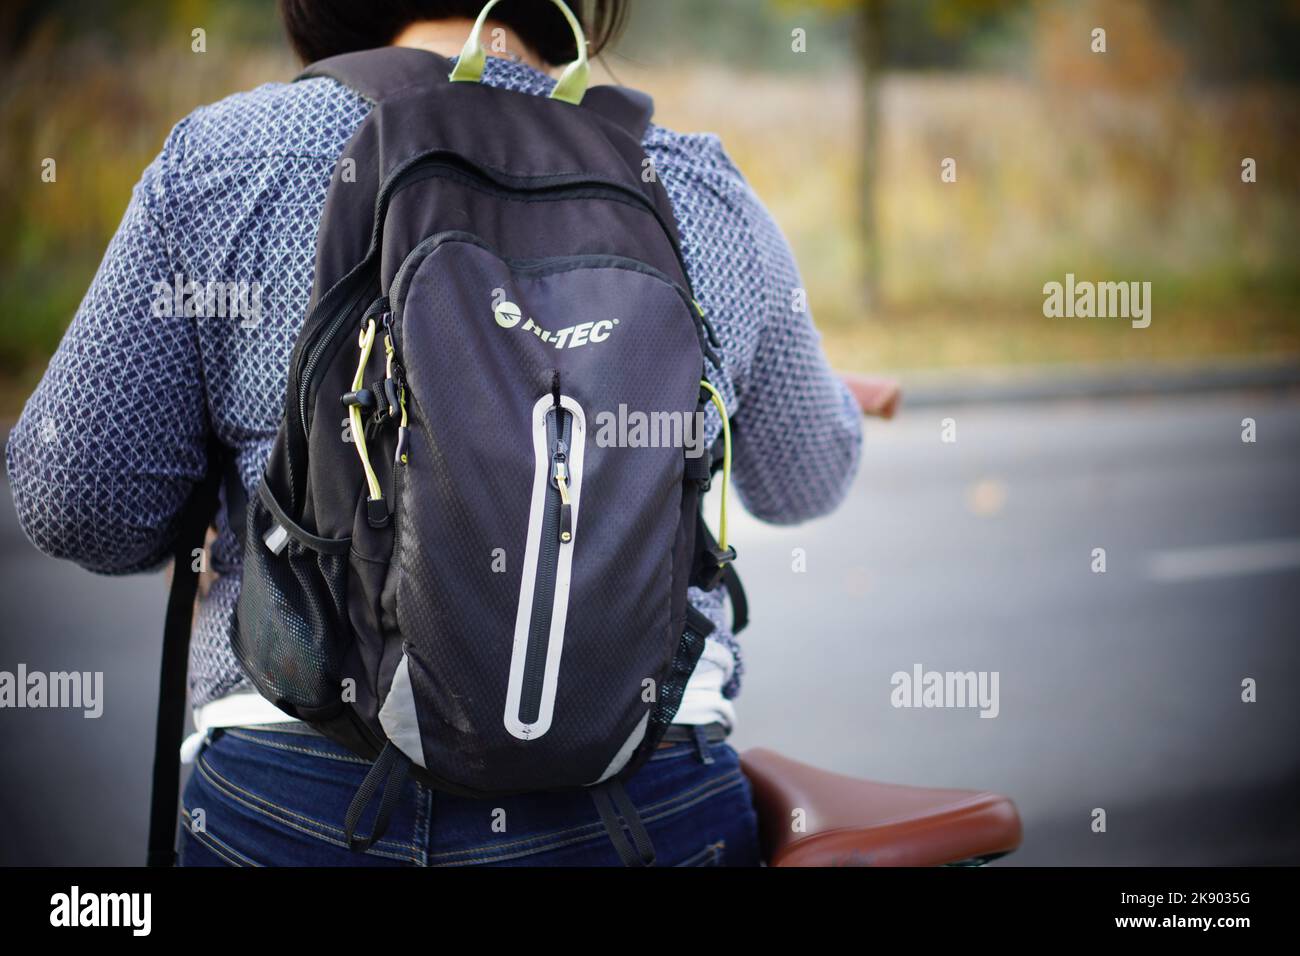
[559, 430]
[539, 550]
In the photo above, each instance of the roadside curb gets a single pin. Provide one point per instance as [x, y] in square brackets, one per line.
[1046, 383]
[1071, 382]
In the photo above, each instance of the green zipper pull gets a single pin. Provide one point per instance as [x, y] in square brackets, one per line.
[562, 482]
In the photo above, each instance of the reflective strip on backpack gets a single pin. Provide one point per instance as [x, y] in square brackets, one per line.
[525, 667]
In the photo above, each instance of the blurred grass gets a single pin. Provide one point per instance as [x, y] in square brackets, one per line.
[1108, 185]
[1114, 169]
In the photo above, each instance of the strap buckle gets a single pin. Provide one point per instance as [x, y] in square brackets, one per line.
[699, 469]
[713, 565]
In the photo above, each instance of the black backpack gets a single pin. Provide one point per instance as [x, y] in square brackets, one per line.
[455, 565]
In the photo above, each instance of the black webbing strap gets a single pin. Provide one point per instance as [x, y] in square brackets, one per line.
[699, 469]
[713, 566]
[715, 732]
[605, 807]
[639, 835]
[194, 522]
[390, 768]
[739, 602]
[236, 500]
[639, 851]
[717, 454]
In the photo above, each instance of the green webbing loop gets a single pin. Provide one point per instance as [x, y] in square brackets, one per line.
[716, 397]
[570, 87]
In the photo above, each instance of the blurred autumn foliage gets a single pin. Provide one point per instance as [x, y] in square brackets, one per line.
[1117, 165]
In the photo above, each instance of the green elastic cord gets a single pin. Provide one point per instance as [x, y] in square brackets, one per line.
[570, 87]
[726, 459]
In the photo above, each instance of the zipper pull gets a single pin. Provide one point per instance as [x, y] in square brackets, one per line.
[397, 375]
[562, 482]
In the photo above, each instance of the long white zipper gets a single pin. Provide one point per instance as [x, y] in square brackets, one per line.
[569, 485]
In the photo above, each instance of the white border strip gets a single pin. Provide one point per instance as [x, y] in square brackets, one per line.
[398, 716]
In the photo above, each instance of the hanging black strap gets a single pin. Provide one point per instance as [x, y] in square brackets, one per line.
[605, 807]
[389, 769]
[639, 851]
[236, 500]
[194, 522]
[713, 566]
[739, 603]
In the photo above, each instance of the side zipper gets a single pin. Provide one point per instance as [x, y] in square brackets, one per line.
[559, 438]
[398, 401]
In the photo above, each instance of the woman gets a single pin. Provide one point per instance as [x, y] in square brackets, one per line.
[235, 197]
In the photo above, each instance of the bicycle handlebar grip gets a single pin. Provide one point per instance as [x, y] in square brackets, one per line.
[878, 397]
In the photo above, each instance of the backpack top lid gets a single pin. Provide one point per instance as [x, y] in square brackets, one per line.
[515, 136]
[385, 72]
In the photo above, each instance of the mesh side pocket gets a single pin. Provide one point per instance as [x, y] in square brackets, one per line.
[687, 655]
[291, 628]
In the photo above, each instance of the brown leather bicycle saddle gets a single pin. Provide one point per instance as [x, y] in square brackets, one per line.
[852, 822]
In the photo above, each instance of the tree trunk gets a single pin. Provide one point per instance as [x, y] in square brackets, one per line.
[871, 47]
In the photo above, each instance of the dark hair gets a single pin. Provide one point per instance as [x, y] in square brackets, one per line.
[321, 28]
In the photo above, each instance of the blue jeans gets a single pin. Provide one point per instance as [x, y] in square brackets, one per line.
[274, 796]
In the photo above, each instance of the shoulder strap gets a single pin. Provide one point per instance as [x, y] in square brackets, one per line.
[631, 109]
[194, 523]
[384, 72]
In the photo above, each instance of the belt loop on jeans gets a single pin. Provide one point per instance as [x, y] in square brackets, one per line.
[701, 744]
[714, 733]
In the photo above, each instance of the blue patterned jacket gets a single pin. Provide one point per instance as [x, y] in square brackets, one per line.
[111, 442]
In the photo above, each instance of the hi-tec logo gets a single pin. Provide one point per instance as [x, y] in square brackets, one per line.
[508, 315]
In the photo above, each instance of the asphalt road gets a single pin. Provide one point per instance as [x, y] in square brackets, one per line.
[1119, 690]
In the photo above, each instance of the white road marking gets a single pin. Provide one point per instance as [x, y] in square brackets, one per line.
[1228, 560]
